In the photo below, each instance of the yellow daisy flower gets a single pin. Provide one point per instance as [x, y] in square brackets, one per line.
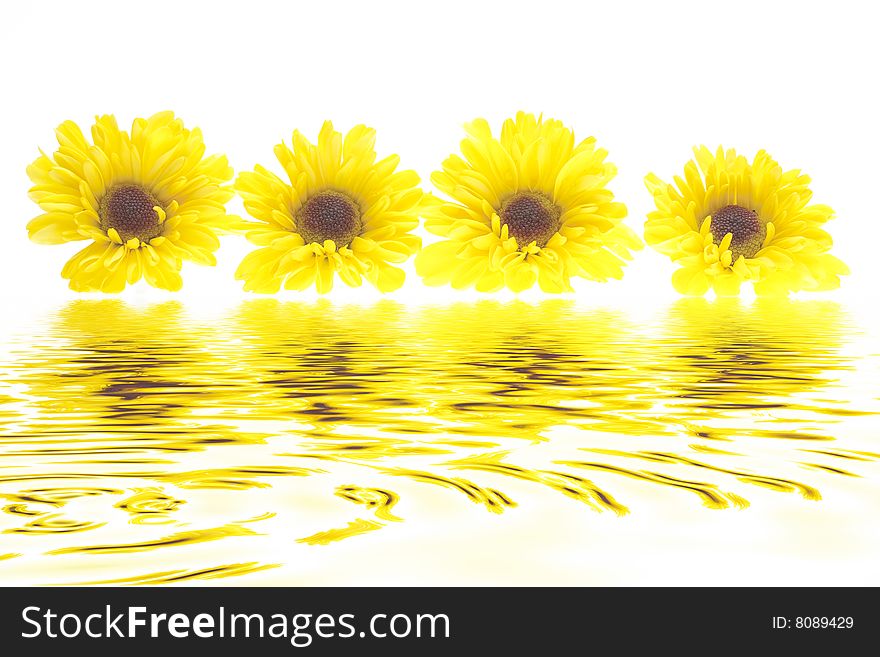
[341, 213]
[730, 221]
[529, 207]
[148, 200]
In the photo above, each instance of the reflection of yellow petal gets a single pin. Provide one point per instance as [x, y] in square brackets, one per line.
[381, 501]
[461, 409]
[173, 540]
[183, 575]
[354, 528]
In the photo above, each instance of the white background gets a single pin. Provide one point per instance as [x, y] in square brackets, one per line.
[648, 79]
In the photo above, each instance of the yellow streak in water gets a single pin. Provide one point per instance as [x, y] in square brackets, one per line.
[54, 524]
[174, 540]
[775, 483]
[354, 528]
[569, 484]
[172, 576]
[233, 478]
[150, 506]
[492, 499]
[709, 493]
[381, 501]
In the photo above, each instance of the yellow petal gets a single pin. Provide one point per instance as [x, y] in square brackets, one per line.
[693, 281]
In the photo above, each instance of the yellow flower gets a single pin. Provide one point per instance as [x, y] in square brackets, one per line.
[529, 207]
[730, 221]
[341, 213]
[148, 201]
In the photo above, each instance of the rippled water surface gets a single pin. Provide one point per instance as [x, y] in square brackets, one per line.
[302, 443]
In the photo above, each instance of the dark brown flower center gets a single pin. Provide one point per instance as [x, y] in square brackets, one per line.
[128, 209]
[530, 217]
[747, 230]
[329, 215]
